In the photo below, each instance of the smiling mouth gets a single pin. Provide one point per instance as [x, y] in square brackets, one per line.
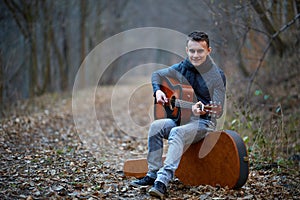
[196, 60]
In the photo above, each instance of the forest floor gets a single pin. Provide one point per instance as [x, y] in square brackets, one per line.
[43, 155]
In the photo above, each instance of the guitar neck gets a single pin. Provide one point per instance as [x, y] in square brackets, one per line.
[212, 108]
[183, 104]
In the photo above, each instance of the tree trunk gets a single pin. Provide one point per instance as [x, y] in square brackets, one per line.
[64, 84]
[33, 88]
[46, 86]
[25, 14]
[60, 59]
[1, 85]
[82, 40]
[47, 65]
[277, 43]
[30, 15]
[296, 6]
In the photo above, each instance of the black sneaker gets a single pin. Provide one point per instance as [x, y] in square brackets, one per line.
[147, 180]
[158, 190]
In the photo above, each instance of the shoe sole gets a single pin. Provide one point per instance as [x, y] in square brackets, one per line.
[139, 186]
[156, 193]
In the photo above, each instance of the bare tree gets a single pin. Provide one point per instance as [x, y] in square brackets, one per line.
[64, 69]
[116, 10]
[25, 14]
[277, 43]
[59, 51]
[1, 84]
[46, 46]
[274, 36]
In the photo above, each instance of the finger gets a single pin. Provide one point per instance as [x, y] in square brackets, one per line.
[159, 100]
[202, 112]
[201, 105]
[162, 101]
[166, 99]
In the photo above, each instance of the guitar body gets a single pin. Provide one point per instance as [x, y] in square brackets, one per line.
[220, 159]
[174, 90]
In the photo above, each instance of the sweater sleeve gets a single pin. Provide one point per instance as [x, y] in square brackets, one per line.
[157, 76]
[219, 92]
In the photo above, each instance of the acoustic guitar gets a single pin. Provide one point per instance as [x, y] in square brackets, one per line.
[180, 101]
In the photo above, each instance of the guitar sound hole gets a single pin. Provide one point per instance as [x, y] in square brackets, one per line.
[172, 102]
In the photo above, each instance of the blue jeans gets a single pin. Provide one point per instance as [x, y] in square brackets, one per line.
[179, 139]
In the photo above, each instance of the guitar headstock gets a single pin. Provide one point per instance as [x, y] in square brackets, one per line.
[214, 109]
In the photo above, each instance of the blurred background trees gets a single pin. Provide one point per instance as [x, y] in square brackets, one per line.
[44, 42]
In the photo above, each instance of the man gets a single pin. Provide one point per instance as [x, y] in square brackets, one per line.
[208, 82]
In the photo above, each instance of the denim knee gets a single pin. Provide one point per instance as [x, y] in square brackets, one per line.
[176, 134]
[161, 127]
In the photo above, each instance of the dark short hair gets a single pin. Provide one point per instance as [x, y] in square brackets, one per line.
[198, 36]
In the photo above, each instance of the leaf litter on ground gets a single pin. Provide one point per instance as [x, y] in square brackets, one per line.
[44, 157]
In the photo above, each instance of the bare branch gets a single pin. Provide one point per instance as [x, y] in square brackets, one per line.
[14, 9]
[283, 28]
[276, 41]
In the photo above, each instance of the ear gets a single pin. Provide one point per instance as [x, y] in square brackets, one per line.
[187, 50]
[209, 49]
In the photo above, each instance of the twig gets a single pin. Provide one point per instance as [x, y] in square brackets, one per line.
[283, 28]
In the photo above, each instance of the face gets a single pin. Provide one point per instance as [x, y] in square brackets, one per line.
[197, 52]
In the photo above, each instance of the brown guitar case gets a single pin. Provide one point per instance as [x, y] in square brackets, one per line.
[220, 159]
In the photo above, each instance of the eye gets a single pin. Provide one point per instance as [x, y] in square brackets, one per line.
[191, 50]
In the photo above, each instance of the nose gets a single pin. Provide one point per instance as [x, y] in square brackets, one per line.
[196, 54]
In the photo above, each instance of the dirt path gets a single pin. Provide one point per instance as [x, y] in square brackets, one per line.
[44, 156]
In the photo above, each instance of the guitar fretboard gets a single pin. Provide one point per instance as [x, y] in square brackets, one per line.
[183, 104]
[213, 109]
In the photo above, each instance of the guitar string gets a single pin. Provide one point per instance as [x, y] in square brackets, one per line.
[186, 104]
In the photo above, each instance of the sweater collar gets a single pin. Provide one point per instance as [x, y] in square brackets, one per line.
[203, 68]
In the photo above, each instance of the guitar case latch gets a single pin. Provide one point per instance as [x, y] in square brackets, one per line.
[246, 158]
